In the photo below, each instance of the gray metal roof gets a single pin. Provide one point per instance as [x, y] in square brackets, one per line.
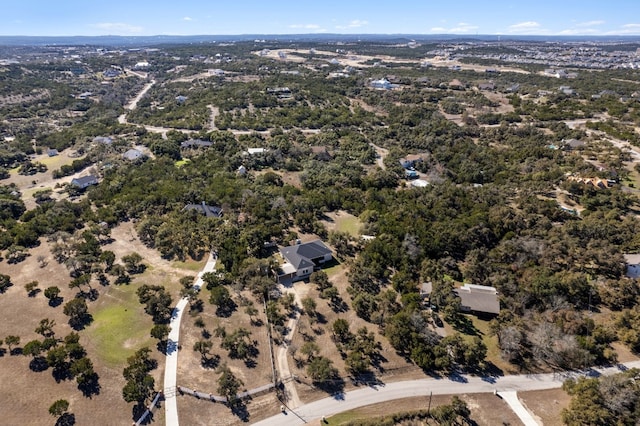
[302, 255]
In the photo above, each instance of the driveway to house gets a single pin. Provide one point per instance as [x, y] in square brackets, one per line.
[282, 362]
[459, 384]
[381, 154]
[171, 367]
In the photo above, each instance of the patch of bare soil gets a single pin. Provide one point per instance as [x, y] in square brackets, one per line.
[546, 404]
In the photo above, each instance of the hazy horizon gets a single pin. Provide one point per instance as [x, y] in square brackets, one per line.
[40, 18]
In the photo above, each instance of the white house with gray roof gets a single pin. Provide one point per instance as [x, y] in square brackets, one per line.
[302, 259]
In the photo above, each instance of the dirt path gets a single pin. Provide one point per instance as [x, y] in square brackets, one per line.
[215, 111]
[381, 154]
[122, 119]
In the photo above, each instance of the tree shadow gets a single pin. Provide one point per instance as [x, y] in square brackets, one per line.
[138, 410]
[80, 322]
[34, 292]
[90, 386]
[38, 364]
[55, 301]
[91, 295]
[239, 409]
[211, 362]
[489, 372]
[335, 387]
[225, 310]
[67, 419]
[61, 373]
[338, 305]
[464, 325]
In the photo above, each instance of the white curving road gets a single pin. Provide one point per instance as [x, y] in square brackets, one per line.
[458, 385]
[171, 367]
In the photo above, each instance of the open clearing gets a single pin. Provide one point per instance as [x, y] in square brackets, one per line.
[119, 328]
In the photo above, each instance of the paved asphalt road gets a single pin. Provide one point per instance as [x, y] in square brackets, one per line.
[449, 386]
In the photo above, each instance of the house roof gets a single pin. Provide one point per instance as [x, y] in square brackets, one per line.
[632, 259]
[84, 180]
[302, 255]
[132, 154]
[479, 298]
[195, 142]
[208, 211]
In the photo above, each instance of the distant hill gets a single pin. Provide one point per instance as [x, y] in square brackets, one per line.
[110, 40]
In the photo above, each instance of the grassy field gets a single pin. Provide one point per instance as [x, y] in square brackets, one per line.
[190, 265]
[349, 224]
[120, 325]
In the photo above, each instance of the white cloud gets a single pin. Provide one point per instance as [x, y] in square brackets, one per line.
[626, 29]
[527, 27]
[356, 23]
[579, 31]
[118, 28]
[460, 28]
[305, 26]
[187, 18]
[309, 27]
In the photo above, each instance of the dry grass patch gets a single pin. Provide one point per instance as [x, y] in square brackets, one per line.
[25, 396]
[485, 409]
[547, 405]
[342, 221]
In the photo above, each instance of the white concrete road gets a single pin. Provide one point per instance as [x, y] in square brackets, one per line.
[412, 388]
[171, 367]
[511, 398]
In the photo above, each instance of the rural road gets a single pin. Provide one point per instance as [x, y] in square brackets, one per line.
[448, 386]
[171, 367]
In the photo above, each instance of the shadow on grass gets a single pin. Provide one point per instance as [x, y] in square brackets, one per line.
[464, 325]
[67, 419]
[38, 364]
[55, 301]
[90, 386]
[211, 363]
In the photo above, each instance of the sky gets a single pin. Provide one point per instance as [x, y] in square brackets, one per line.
[214, 17]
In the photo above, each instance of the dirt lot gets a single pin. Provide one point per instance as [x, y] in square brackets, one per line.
[546, 405]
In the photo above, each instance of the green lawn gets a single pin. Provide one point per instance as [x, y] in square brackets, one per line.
[120, 325]
[190, 265]
[334, 269]
[350, 224]
[182, 162]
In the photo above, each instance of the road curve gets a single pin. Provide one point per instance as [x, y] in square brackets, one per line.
[411, 388]
[171, 366]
